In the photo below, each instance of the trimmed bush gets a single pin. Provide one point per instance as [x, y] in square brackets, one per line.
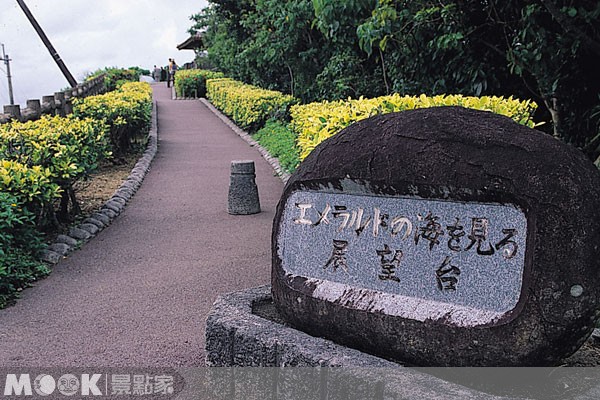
[249, 106]
[39, 163]
[127, 112]
[192, 82]
[115, 77]
[315, 122]
[49, 153]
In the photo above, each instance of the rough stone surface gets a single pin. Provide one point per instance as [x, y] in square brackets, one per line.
[231, 318]
[243, 192]
[596, 335]
[95, 222]
[460, 156]
[118, 199]
[51, 257]
[60, 248]
[121, 197]
[109, 213]
[91, 228]
[238, 335]
[114, 206]
[67, 240]
[102, 218]
[79, 234]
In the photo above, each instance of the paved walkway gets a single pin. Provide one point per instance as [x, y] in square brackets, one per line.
[138, 294]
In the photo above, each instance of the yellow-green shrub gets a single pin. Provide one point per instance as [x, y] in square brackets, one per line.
[249, 106]
[21, 188]
[64, 149]
[20, 244]
[127, 112]
[69, 148]
[39, 163]
[31, 186]
[192, 82]
[315, 122]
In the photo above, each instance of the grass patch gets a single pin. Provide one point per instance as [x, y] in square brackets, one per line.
[280, 142]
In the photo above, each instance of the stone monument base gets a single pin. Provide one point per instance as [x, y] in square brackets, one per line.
[244, 330]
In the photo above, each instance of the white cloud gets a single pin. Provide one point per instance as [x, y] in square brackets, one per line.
[89, 35]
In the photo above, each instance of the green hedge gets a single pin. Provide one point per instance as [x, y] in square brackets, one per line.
[315, 122]
[46, 157]
[39, 163]
[192, 82]
[20, 244]
[249, 106]
[127, 112]
[115, 77]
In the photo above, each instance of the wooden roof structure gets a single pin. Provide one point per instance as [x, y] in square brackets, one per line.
[194, 42]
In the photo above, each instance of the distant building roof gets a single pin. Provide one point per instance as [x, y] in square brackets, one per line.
[192, 43]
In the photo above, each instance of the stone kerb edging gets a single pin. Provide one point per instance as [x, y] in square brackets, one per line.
[236, 337]
[92, 225]
[274, 162]
[271, 344]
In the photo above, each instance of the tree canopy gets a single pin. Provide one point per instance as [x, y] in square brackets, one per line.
[545, 50]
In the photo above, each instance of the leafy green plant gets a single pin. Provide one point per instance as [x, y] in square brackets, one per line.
[249, 106]
[315, 122]
[64, 150]
[331, 49]
[20, 244]
[127, 112]
[192, 82]
[115, 77]
[280, 141]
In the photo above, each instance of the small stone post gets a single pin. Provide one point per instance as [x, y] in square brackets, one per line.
[35, 107]
[48, 105]
[59, 100]
[69, 101]
[13, 110]
[243, 193]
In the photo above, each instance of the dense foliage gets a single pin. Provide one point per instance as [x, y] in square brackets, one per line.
[40, 161]
[192, 82]
[249, 106]
[332, 49]
[20, 244]
[126, 111]
[291, 131]
[64, 149]
[280, 141]
[115, 77]
[315, 122]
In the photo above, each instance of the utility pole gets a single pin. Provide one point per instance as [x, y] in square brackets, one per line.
[49, 46]
[10, 88]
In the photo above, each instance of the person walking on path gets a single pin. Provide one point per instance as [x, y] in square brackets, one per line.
[172, 70]
[156, 74]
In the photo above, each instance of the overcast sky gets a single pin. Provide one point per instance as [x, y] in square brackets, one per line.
[89, 34]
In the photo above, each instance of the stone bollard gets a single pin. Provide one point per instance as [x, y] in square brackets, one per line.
[48, 105]
[59, 100]
[68, 108]
[35, 108]
[243, 193]
[14, 111]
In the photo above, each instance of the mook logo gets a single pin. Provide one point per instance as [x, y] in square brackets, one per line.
[45, 385]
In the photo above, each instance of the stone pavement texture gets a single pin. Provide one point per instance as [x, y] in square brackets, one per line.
[138, 294]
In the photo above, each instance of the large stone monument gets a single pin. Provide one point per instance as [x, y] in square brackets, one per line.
[442, 237]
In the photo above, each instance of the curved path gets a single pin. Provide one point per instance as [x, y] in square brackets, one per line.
[138, 294]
